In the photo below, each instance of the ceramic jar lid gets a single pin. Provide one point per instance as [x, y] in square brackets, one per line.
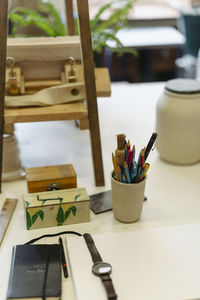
[183, 86]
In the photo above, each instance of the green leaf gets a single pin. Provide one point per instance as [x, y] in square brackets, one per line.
[34, 218]
[119, 15]
[67, 213]
[41, 214]
[28, 220]
[60, 199]
[27, 203]
[76, 197]
[54, 16]
[105, 30]
[43, 202]
[60, 216]
[23, 17]
[73, 209]
[100, 41]
[97, 19]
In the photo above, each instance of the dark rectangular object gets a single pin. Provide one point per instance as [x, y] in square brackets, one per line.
[101, 202]
[29, 267]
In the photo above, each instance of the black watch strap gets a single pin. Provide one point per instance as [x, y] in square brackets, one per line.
[107, 281]
[92, 248]
[96, 257]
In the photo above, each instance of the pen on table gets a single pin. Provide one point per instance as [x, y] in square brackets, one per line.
[150, 145]
[65, 271]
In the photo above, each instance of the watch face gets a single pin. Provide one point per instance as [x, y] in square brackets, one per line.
[101, 268]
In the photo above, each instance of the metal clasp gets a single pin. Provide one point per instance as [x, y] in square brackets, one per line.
[12, 80]
[54, 186]
[72, 72]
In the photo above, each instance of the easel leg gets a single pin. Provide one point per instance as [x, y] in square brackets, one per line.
[3, 46]
[88, 67]
[69, 17]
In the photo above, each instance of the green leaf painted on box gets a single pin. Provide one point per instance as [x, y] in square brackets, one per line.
[34, 218]
[76, 197]
[27, 203]
[41, 214]
[28, 220]
[60, 216]
[73, 209]
[67, 213]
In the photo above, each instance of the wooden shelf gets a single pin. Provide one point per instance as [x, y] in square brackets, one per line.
[103, 87]
[69, 111]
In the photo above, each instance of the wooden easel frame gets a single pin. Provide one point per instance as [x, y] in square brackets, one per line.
[3, 46]
[88, 68]
[69, 17]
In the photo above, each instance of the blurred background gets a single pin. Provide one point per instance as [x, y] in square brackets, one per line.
[138, 40]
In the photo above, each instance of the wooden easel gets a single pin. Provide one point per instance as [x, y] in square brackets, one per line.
[74, 111]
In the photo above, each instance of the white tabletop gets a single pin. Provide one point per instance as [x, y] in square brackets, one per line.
[172, 191]
[159, 263]
[150, 37]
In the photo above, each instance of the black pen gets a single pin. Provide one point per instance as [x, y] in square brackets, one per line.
[65, 271]
[150, 145]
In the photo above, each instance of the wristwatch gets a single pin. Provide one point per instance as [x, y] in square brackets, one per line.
[100, 268]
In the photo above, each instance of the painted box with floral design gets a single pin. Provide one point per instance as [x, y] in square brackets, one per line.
[56, 208]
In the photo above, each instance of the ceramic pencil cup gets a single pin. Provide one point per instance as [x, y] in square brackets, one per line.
[127, 200]
[178, 122]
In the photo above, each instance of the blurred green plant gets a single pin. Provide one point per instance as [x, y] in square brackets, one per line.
[47, 18]
[103, 31]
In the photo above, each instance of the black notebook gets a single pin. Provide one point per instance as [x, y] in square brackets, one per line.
[35, 272]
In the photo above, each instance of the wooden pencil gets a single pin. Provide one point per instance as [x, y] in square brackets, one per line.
[115, 167]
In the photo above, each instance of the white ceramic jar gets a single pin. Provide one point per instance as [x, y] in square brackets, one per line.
[178, 122]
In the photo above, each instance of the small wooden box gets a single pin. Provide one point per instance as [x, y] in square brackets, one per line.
[40, 178]
[56, 208]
